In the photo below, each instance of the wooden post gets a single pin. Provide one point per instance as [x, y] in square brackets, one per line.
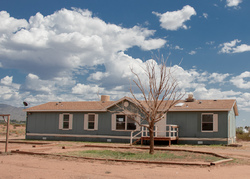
[169, 132]
[7, 134]
[131, 136]
[7, 130]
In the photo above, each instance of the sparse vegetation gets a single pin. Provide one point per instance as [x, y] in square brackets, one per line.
[243, 136]
[143, 155]
[14, 122]
[15, 130]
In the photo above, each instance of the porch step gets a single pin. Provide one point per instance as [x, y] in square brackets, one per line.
[169, 139]
[136, 141]
[170, 130]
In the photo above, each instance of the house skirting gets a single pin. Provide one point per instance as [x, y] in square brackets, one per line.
[79, 137]
[206, 139]
[187, 140]
[125, 139]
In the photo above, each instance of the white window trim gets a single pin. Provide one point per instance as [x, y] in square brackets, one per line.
[113, 122]
[70, 121]
[215, 122]
[86, 122]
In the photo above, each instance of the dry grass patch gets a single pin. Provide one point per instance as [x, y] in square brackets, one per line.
[144, 155]
[14, 130]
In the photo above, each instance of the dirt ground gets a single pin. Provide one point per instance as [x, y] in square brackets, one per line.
[26, 166]
[45, 167]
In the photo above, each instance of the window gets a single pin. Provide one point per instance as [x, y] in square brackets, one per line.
[123, 122]
[120, 122]
[131, 124]
[209, 122]
[65, 121]
[90, 121]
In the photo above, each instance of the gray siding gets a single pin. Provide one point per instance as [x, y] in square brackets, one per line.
[189, 127]
[48, 123]
[190, 124]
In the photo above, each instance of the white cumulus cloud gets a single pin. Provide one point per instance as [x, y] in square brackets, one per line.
[217, 77]
[65, 41]
[233, 3]
[231, 47]
[7, 80]
[9, 91]
[176, 19]
[242, 81]
[192, 52]
[9, 24]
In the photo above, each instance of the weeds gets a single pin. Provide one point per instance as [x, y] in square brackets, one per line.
[243, 136]
[141, 155]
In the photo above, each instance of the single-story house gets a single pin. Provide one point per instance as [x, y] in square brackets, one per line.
[188, 121]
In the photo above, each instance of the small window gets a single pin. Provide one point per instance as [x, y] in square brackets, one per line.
[124, 122]
[120, 122]
[131, 125]
[209, 122]
[65, 121]
[90, 121]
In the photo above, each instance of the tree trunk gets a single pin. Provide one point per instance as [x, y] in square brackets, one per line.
[151, 133]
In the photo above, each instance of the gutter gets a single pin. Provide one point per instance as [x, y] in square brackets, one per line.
[66, 110]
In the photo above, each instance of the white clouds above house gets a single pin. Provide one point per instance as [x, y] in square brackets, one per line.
[66, 40]
[242, 81]
[8, 89]
[218, 78]
[73, 55]
[233, 3]
[174, 20]
[231, 47]
[205, 15]
[7, 80]
[192, 52]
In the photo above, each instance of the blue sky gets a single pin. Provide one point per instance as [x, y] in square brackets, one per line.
[71, 50]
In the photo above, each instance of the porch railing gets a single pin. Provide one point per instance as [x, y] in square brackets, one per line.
[171, 131]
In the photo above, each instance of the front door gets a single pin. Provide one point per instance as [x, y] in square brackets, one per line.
[161, 127]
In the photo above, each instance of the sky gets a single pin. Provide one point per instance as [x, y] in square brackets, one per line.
[72, 50]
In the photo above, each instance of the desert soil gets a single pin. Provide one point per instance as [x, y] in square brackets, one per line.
[43, 167]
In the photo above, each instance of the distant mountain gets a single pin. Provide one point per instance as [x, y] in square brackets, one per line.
[16, 113]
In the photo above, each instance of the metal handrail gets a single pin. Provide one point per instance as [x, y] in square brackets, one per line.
[173, 131]
[132, 137]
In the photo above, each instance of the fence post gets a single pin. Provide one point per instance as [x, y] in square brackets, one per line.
[131, 135]
[7, 134]
[7, 130]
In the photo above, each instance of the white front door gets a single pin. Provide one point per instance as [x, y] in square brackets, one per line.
[161, 126]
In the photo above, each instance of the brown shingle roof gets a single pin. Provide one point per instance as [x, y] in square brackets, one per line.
[71, 106]
[81, 106]
[212, 105]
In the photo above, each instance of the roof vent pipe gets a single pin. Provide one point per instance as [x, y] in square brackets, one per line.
[105, 98]
[190, 97]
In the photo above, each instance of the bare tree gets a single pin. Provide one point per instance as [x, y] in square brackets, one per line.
[159, 94]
